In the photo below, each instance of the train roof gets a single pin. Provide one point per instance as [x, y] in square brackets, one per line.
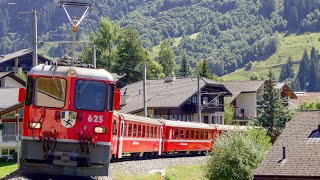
[50, 70]
[230, 127]
[139, 119]
[186, 124]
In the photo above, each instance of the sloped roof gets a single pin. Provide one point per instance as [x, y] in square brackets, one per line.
[164, 94]
[237, 87]
[302, 153]
[286, 90]
[9, 97]
[19, 53]
[13, 76]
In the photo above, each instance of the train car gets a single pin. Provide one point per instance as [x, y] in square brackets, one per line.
[187, 137]
[67, 126]
[136, 136]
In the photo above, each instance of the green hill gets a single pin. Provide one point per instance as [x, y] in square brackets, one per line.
[292, 45]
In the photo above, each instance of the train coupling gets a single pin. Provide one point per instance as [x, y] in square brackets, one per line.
[70, 159]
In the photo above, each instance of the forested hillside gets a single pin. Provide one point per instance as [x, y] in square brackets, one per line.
[231, 34]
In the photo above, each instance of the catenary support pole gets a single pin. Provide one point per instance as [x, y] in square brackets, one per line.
[199, 100]
[145, 108]
[34, 38]
[94, 56]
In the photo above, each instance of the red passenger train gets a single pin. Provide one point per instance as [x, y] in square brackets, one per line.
[71, 126]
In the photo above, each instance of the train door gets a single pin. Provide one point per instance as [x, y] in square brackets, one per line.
[160, 141]
[114, 136]
[121, 139]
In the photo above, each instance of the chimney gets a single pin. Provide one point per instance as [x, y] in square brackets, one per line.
[170, 78]
[283, 153]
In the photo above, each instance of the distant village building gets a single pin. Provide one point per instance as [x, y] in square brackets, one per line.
[20, 59]
[303, 97]
[296, 153]
[247, 98]
[176, 99]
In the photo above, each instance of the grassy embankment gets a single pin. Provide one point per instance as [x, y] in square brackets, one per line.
[7, 167]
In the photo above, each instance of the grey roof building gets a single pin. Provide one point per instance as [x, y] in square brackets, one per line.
[21, 58]
[175, 98]
[296, 153]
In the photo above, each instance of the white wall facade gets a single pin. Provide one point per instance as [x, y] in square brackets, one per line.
[11, 83]
[248, 102]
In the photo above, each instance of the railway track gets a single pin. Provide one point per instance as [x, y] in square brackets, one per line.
[138, 166]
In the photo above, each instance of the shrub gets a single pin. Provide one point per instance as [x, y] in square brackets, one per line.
[237, 154]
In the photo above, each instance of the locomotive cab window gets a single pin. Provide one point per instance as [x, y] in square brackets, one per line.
[90, 95]
[29, 91]
[50, 92]
[110, 97]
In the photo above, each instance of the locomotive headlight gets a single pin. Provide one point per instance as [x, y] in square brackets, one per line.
[72, 72]
[100, 130]
[34, 125]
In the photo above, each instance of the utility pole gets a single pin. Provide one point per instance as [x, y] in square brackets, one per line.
[18, 140]
[145, 108]
[94, 56]
[199, 99]
[35, 39]
[34, 34]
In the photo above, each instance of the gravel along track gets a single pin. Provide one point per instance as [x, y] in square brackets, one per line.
[140, 167]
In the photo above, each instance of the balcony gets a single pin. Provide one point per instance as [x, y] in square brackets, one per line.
[8, 140]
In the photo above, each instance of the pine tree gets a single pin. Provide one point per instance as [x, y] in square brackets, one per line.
[286, 70]
[273, 115]
[290, 68]
[313, 78]
[304, 70]
[167, 57]
[203, 69]
[185, 69]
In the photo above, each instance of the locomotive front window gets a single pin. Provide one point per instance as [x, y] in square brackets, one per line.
[50, 92]
[90, 95]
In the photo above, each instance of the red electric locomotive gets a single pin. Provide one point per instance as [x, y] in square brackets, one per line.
[67, 126]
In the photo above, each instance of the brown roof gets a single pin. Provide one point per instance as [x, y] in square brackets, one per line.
[237, 87]
[164, 94]
[286, 90]
[302, 153]
[304, 97]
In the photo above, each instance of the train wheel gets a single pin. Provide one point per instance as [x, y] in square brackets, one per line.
[134, 155]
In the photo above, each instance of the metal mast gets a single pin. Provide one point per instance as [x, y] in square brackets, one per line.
[199, 99]
[145, 108]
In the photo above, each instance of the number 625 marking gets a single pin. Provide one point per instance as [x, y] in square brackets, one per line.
[95, 118]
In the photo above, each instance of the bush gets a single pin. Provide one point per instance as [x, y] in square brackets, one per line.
[248, 66]
[237, 154]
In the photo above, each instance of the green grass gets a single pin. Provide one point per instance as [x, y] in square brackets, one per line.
[172, 173]
[292, 45]
[185, 172]
[7, 167]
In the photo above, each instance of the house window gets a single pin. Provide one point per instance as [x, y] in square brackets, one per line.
[9, 132]
[164, 116]
[184, 118]
[194, 100]
[216, 119]
[205, 100]
[180, 117]
[5, 151]
[170, 117]
[175, 117]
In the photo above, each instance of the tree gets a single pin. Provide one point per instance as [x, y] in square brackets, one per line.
[237, 154]
[228, 113]
[167, 57]
[131, 56]
[304, 69]
[185, 69]
[203, 69]
[105, 40]
[273, 115]
[254, 77]
[286, 70]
